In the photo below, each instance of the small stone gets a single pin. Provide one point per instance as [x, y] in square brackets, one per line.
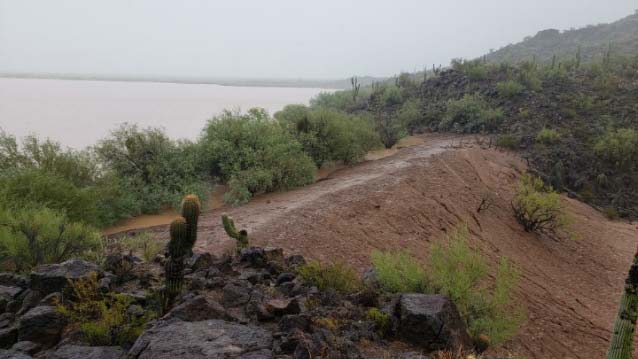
[285, 277]
[86, 352]
[52, 299]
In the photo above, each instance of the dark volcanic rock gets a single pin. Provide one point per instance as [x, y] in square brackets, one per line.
[10, 354]
[51, 278]
[197, 309]
[432, 322]
[8, 337]
[236, 293]
[85, 352]
[13, 280]
[42, 325]
[205, 339]
[26, 347]
[9, 292]
[200, 261]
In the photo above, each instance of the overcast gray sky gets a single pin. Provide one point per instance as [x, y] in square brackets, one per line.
[275, 38]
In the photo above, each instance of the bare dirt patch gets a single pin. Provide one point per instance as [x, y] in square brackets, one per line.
[570, 287]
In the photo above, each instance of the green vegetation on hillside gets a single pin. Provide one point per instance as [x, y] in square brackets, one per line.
[593, 43]
[458, 271]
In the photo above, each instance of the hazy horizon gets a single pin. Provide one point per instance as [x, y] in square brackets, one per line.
[285, 40]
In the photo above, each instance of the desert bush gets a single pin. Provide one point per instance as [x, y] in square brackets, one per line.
[547, 136]
[508, 141]
[338, 100]
[36, 173]
[33, 236]
[537, 206]
[398, 272]
[475, 70]
[156, 169]
[389, 129]
[103, 319]
[458, 271]
[329, 135]
[392, 96]
[338, 276]
[410, 115]
[470, 114]
[254, 153]
[529, 76]
[509, 88]
[619, 147]
[381, 320]
[143, 244]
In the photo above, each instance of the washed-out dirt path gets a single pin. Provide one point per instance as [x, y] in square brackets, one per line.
[570, 287]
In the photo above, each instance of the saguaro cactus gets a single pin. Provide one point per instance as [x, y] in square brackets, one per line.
[240, 236]
[191, 209]
[625, 324]
[174, 268]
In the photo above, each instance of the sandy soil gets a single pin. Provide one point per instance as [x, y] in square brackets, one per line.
[570, 287]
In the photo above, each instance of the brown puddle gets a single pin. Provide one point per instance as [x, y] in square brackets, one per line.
[216, 198]
[165, 216]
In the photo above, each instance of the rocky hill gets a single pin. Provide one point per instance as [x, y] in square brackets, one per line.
[594, 42]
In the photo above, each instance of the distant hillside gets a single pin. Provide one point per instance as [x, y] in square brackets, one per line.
[594, 41]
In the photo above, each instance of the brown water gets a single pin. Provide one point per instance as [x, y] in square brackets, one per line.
[216, 199]
[78, 113]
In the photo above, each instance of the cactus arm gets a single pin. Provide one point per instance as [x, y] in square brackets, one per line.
[625, 324]
[240, 236]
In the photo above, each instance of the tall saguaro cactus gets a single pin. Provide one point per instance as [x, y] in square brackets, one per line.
[240, 236]
[191, 209]
[625, 324]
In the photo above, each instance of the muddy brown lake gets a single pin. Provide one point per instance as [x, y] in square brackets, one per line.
[77, 113]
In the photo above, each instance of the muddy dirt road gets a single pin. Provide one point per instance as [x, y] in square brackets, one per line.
[569, 286]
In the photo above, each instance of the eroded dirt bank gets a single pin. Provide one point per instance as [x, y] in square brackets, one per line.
[570, 287]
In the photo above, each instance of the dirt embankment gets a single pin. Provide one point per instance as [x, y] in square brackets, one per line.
[570, 287]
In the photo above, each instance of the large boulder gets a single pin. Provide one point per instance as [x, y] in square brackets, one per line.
[85, 352]
[432, 322]
[43, 325]
[10, 354]
[205, 339]
[51, 278]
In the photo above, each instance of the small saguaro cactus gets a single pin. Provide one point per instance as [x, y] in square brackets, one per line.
[174, 269]
[625, 324]
[240, 236]
[191, 209]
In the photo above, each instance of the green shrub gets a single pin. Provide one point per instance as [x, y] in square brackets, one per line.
[381, 320]
[547, 136]
[475, 70]
[33, 236]
[254, 154]
[536, 206]
[508, 141]
[410, 115]
[470, 114]
[458, 271]
[329, 135]
[103, 318]
[389, 129]
[392, 96]
[619, 147]
[398, 272]
[338, 276]
[509, 88]
[155, 169]
[611, 213]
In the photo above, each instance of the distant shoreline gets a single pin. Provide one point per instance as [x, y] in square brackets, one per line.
[320, 84]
